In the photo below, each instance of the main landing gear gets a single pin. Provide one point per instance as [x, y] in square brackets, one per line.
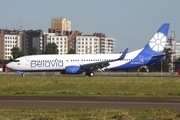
[90, 73]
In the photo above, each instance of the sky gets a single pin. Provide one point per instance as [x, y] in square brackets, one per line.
[131, 22]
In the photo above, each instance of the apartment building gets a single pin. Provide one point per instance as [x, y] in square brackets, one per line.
[106, 44]
[34, 38]
[87, 45]
[12, 39]
[72, 38]
[59, 25]
[60, 41]
[24, 40]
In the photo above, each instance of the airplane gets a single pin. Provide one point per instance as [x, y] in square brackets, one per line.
[151, 53]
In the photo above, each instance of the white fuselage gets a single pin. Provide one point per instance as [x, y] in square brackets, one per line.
[60, 62]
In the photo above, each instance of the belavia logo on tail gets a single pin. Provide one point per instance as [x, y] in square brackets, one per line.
[158, 42]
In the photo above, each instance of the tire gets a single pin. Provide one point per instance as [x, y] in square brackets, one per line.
[91, 74]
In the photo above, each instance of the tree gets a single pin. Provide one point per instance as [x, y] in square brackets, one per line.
[21, 53]
[51, 48]
[33, 51]
[15, 52]
[72, 51]
[164, 64]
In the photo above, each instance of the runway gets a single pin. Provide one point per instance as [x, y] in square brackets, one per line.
[88, 102]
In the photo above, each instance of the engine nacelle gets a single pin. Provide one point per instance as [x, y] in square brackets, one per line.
[73, 70]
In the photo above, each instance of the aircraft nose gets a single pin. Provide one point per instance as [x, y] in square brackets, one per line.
[9, 65]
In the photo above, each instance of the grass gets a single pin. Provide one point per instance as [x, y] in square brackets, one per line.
[86, 114]
[58, 85]
[112, 85]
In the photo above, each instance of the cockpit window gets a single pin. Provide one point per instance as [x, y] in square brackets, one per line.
[16, 60]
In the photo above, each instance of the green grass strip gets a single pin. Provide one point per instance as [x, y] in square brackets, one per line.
[60, 85]
[86, 114]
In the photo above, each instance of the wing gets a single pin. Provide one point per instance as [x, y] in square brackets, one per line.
[99, 65]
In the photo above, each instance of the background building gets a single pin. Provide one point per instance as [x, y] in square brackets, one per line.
[60, 41]
[59, 25]
[106, 44]
[34, 38]
[10, 39]
[2, 44]
[60, 33]
[87, 45]
[72, 38]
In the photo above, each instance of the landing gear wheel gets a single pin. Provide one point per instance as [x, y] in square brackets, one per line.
[89, 73]
[23, 75]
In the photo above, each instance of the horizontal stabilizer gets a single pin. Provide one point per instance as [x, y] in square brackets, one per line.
[165, 54]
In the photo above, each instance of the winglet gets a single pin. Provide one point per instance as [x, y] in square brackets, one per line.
[123, 55]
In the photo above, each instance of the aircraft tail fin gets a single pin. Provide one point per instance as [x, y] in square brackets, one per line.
[157, 43]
